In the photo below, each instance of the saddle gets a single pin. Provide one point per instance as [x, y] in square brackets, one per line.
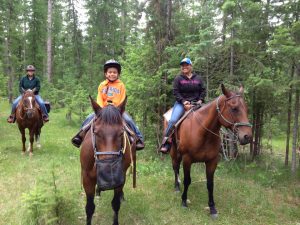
[168, 114]
[131, 135]
[167, 117]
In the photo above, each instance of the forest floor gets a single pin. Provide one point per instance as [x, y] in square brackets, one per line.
[46, 189]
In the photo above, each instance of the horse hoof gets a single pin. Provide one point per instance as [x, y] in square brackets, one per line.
[23, 153]
[30, 154]
[184, 205]
[214, 216]
[38, 146]
[177, 189]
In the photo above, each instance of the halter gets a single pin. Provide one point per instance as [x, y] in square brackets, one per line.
[235, 125]
[96, 152]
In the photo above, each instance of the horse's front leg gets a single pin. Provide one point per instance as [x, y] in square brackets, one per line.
[187, 178]
[210, 171]
[31, 139]
[116, 204]
[89, 187]
[22, 131]
[176, 160]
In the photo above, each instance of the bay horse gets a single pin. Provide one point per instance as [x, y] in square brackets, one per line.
[28, 115]
[197, 138]
[106, 140]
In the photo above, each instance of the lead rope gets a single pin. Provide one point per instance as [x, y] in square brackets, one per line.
[126, 139]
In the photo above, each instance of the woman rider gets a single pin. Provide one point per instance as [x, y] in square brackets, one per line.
[188, 88]
[29, 81]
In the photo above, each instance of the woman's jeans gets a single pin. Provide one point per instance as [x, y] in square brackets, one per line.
[127, 119]
[39, 100]
[178, 111]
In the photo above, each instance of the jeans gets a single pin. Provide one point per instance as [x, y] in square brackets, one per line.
[132, 125]
[127, 119]
[88, 119]
[39, 100]
[178, 111]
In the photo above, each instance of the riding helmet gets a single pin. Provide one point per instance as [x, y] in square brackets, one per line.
[30, 68]
[112, 63]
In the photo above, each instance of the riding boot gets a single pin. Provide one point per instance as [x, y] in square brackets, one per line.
[78, 138]
[45, 118]
[11, 118]
[166, 142]
[140, 144]
[165, 146]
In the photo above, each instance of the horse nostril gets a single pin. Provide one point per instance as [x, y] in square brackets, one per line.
[247, 138]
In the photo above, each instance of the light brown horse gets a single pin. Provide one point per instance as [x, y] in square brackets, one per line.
[197, 138]
[28, 115]
[106, 141]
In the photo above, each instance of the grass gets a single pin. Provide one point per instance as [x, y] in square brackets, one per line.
[47, 187]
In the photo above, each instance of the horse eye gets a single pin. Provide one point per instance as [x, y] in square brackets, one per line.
[234, 110]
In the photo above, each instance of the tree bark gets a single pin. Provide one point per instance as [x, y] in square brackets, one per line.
[8, 53]
[295, 128]
[289, 118]
[49, 42]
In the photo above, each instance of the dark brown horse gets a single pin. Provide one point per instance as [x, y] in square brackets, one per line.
[197, 138]
[106, 142]
[28, 115]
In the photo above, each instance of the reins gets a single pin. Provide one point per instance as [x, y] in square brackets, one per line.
[235, 125]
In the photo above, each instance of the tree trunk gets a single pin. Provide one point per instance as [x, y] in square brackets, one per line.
[49, 42]
[8, 53]
[295, 128]
[289, 118]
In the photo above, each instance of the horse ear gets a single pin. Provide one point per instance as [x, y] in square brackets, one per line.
[95, 106]
[121, 107]
[225, 91]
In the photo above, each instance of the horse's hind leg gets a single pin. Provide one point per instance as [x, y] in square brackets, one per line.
[187, 179]
[116, 203]
[37, 139]
[210, 170]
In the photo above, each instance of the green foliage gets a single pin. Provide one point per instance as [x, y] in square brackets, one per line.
[44, 203]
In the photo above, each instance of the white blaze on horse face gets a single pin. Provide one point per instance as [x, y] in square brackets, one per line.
[30, 100]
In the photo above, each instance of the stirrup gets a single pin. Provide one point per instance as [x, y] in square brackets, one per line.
[11, 119]
[140, 144]
[165, 148]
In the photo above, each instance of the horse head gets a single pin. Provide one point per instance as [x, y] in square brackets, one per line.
[233, 114]
[108, 128]
[28, 103]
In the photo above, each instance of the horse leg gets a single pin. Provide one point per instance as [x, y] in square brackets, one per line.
[187, 179]
[89, 187]
[116, 203]
[37, 139]
[23, 140]
[210, 170]
[31, 139]
[176, 160]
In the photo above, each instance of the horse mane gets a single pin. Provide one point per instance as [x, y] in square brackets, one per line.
[110, 115]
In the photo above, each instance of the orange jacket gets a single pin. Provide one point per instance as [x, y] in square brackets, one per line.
[111, 91]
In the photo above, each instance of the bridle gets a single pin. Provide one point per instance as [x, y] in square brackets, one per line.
[233, 124]
[117, 153]
[25, 109]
